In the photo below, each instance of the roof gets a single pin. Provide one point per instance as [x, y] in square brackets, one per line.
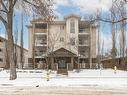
[72, 15]
[40, 20]
[4, 39]
[62, 52]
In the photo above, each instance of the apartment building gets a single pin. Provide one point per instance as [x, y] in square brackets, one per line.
[3, 54]
[62, 45]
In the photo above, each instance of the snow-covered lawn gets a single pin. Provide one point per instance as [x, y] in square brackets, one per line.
[86, 77]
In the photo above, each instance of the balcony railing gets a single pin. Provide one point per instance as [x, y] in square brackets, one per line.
[40, 53]
[83, 31]
[40, 31]
[83, 54]
[84, 43]
[40, 42]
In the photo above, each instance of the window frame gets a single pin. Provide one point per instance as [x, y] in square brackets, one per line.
[72, 26]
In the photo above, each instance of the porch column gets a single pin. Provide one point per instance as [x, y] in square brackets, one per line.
[72, 63]
[52, 63]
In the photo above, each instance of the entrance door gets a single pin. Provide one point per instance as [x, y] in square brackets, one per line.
[62, 66]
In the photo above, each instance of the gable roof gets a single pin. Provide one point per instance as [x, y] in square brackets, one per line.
[62, 52]
[72, 15]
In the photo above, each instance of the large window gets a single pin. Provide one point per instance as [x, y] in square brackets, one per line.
[72, 26]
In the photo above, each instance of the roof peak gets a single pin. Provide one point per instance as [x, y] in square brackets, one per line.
[72, 15]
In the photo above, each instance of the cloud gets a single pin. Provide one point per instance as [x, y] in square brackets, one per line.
[62, 2]
[81, 7]
[87, 6]
[92, 5]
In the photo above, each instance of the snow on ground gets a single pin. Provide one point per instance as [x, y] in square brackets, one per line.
[86, 77]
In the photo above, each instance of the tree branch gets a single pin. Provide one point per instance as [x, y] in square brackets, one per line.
[1, 1]
[3, 11]
[3, 20]
[117, 21]
[14, 2]
[30, 3]
[108, 21]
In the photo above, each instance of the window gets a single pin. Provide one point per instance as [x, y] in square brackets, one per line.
[1, 40]
[72, 41]
[0, 50]
[61, 39]
[41, 26]
[72, 26]
[61, 27]
[1, 60]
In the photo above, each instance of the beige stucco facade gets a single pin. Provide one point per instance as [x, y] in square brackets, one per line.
[72, 34]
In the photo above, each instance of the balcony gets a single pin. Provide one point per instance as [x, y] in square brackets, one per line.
[83, 54]
[84, 31]
[83, 42]
[40, 31]
[41, 43]
[40, 54]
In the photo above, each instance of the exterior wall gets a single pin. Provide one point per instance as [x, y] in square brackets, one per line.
[59, 36]
[25, 56]
[55, 34]
[30, 42]
[69, 35]
[3, 54]
[109, 63]
[93, 42]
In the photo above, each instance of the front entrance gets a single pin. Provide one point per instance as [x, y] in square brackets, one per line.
[63, 59]
[62, 65]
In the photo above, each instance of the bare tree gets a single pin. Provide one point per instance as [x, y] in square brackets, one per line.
[41, 7]
[21, 45]
[53, 40]
[15, 46]
[98, 37]
[123, 32]
[113, 31]
[120, 15]
[92, 19]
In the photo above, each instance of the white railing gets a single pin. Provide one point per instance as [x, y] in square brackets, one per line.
[40, 42]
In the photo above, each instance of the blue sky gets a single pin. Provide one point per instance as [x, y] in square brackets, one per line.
[66, 7]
